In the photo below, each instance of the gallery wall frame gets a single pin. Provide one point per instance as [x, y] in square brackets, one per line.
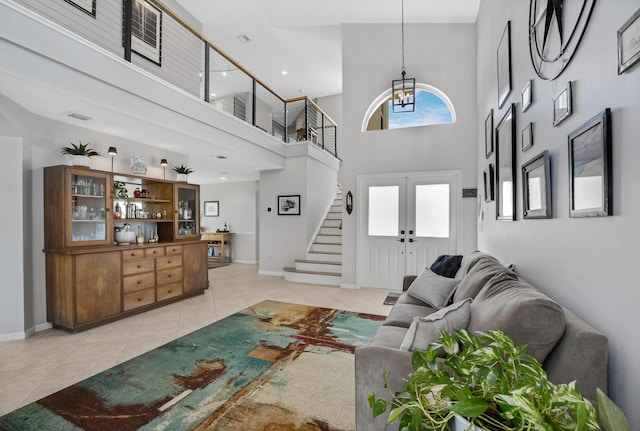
[505, 185]
[527, 137]
[146, 31]
[212, 208]
[526, 96]
[289, 205]
[504, 65]
[563, 104]
[536, 187]
[489, 184]
[86, 6]
[629, 43]
[488, 134]
[590, 175]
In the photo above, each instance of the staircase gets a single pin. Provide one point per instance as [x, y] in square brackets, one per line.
[323, 263]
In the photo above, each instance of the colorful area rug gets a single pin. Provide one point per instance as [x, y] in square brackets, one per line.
[274, 366]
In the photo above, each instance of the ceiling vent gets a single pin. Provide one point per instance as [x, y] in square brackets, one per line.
[79, 116]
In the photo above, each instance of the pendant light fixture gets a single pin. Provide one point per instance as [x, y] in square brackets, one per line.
[403, 91]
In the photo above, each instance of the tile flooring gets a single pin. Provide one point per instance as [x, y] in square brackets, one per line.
[51, 360]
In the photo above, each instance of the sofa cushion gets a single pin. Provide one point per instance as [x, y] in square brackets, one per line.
[405, 298]
[446, 265]
[526, 315]
[483, 269]
[433, 289]
[402, 314]
[426, 330]
[388, 336]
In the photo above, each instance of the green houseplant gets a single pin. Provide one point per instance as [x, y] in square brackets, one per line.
[81, 153]
[495, 386]
[182, 172]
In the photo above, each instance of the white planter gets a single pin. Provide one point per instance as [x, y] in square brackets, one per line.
[81, 161]
[182, 177]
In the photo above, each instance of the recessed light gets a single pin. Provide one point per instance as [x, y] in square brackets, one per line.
[223, 178]
[212, 94]
[284, 73]
[221, 157]
[243, 38]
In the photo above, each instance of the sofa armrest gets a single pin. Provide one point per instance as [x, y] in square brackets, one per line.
[371, 361]
[406, 282]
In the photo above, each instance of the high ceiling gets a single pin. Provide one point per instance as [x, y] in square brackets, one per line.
[304, 37]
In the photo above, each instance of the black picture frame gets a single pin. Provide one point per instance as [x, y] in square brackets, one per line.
[488, 134]
[505, 189]
[536, 187]
[146, 31]
[526, 96]
[504, 65]
[86, 6]
[289, 205]
[590, 183]
[527, 137]
[563, 104]
[212, 208]
[629, 43]
[489, 185]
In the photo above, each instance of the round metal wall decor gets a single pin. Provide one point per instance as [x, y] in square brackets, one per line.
[556, 28]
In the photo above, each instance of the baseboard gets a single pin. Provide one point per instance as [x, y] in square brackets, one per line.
[13, 336]
[273, 273]
[347, 286]
[43, 326]
[246, 262]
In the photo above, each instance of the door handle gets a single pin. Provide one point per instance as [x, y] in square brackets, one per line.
[411, 240]
[401, 240]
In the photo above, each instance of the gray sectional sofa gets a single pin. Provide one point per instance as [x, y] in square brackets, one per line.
[568, 348]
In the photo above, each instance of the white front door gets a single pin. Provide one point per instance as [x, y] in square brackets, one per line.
[405, 222]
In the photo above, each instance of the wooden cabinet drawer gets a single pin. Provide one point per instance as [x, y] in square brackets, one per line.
[145, 280]
[154, 252]
[136, 266]
[170, 275]
[132, 254]
[139, 298]
[168, 262]
[169, 291]
[174, 249]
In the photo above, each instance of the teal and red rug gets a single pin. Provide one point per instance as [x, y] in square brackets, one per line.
[272, 367]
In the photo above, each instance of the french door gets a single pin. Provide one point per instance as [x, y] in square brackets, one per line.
[405, 222]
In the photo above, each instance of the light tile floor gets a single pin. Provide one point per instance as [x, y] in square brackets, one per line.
[52, 360]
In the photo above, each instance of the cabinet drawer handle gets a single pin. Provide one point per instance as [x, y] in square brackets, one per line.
[168, 261]
[169, 276]
[139, 282]
[139, 299]
[139, 266]
[133, 254]
[169, 291]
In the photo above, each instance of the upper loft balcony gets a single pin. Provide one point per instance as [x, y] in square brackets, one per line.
[166, 85]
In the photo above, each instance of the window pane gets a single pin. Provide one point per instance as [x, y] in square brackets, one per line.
[384, 204]
[432, 210]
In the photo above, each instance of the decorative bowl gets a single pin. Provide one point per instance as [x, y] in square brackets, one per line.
[125, 237]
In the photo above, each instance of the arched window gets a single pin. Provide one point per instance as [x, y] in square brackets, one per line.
[432, 107]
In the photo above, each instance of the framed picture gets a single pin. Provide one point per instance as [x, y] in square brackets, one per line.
[527, 137]
[536, 187]
[86, 6]
[526, 96]
[505, 165]
[590, 186]
[211, 208]
[504, 66]
[488, 183]
[289, 205]
[629, 43]
[488, 134]
[146, 30]
[562, 105]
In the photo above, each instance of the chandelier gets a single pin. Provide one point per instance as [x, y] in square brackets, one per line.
[403, 91]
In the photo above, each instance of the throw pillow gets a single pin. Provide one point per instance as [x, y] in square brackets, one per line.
[477, 276]
[432, 288]
[446, 265]
[426, 330]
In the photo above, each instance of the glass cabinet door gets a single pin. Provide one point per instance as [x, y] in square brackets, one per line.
[187, 212]
[89, 192]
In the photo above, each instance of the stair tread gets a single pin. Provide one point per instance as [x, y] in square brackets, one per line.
[300, 271]
[327, 243]
[325, 252]
[320, 262]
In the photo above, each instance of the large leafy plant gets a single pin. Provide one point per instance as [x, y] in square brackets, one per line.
[495, 386]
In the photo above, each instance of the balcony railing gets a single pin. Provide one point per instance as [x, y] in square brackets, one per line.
[154, 38]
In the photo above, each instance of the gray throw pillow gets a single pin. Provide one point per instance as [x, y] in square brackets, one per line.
[433, 289]
[426, 330]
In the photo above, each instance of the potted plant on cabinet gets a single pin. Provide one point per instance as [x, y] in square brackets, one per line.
[182, 172]
[81, 153]
[491, 385]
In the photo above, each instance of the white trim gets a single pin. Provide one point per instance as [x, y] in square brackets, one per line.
[348, 286]
[272, 273]
[43, 326]
[385, 95]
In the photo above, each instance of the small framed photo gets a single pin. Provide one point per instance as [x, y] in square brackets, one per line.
[562, 105]
[536, 187]
[506, 166]
[527, 137]
[86, 6]
[289, 205]
[488, 134]
[146, 31]
[526, 96]
[212, 208]
[629, 43]
[489, 176]
[504, 65]
[590, 185]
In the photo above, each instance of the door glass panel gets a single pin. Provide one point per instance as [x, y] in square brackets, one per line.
[432, 210]
[88, 202]
[384, 206]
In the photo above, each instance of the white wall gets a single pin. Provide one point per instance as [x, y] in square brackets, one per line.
[440, 55]
[587, 265]
[237, 206]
